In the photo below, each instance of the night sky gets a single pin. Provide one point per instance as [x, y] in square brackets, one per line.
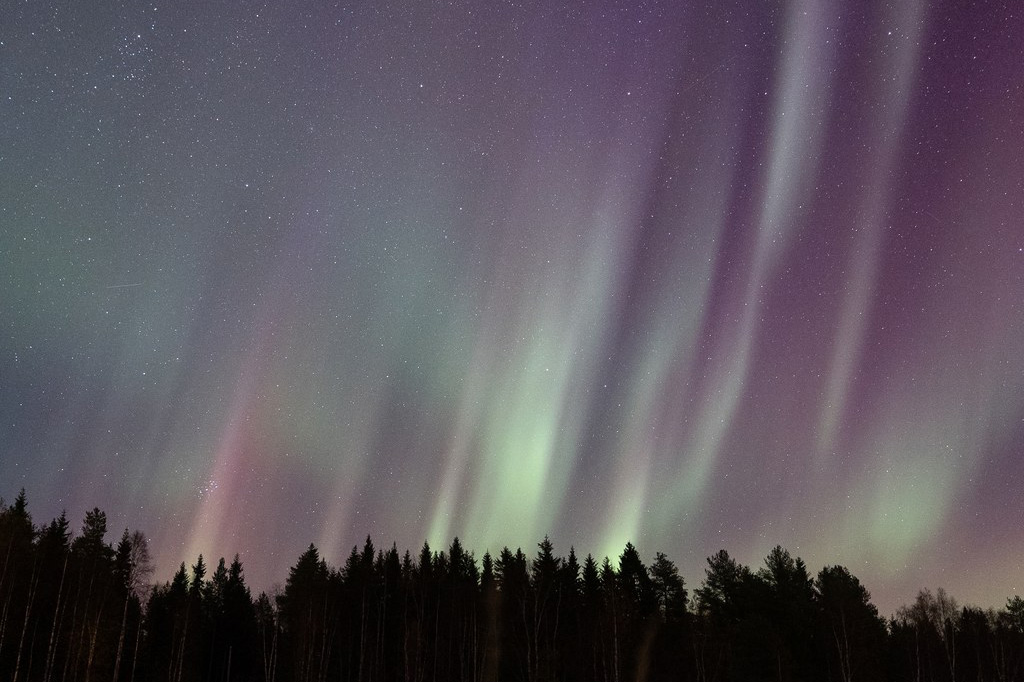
[695, 275]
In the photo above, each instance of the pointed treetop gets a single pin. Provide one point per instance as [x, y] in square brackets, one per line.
[20, 506]
[235, 571]
[198, 574]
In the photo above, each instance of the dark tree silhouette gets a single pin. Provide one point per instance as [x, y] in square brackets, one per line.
[852, 633]
[71, 610]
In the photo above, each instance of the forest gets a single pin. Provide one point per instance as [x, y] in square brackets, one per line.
[75, 608]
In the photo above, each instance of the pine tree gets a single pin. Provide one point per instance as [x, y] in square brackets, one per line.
[853, 633]
[132, 568]
[669, 589]
[302, 612]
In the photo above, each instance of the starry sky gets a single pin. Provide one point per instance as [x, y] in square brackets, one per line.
[697, 275]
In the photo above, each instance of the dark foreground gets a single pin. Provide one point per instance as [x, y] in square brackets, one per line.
[75, 609]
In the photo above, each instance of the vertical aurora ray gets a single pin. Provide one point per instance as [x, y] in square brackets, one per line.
[883, 141]
[935, 423]
[794, 152]
[219, 492]
[534, 396]
[540, 389]
[654, 432]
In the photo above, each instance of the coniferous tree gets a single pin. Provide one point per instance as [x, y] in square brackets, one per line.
[790, 616]
[54, 551]
[852, 634]
[569, 641]
[544, 612]
[513, 583]
[165, 615]
[669, 589]
[719, 610]
[239, 626]
[72, 612]
[488, 610]
[95, 558]
[1007, 644]
[18, 580]
[302, 610]
[132, 568]
[672, 655]
[592, 613]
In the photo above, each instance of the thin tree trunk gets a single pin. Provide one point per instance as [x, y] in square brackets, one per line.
[92, 641]
[85, 622]
[273, 655]
[268, 657]
[437, 627]
[917, 651]
[362, 633]
[7, 600]
[324, 649]
[615, 631]
[120, 638]
[951, 649]
[527, 638]
[3, 619]
[135, 655]
[307, 646]
[74, 623]
[698, 659]
[843, 649]
[51, 649]
[382, 614]
[184, 639]
[266, 654]
[213, 650]
[405, 639]
[28, 612]
[7, 561]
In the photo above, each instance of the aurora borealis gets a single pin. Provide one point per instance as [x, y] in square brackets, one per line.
[694, 275]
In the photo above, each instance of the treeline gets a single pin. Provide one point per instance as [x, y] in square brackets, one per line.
[76, 609]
